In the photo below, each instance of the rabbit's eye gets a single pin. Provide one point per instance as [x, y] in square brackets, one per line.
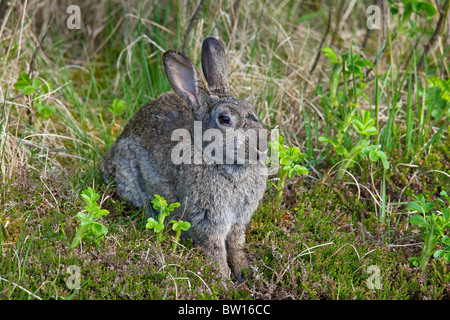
[224, 119]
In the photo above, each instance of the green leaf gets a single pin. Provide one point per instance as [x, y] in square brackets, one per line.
[323, 139]
[176, 225]
[331, 55]
[92, 208]
[90, 196]
[185, 225]
[414, 206]
[100, 213]
[150, 223]
[28, 90]
[335, 143]
[429, 9]
[99, 229]
[173, 206]
[45, 111]
[438, 254]
[421, 199]
[46, 88]
[366, 149]
[23, 81]
[87, 222]
[155, 225]
[414, 261]
[82, 216]
[366, 117]
[418, 220]
[384, 161]
[26, 85]
[90, 228]
[371, 131]
[446, 240]
[373, 155]
[428, 206]
[292, 173]
[117, 107]
[301, 169]
[78, 237]
[164, 212]
[36, 83]
[358, 125]
[341, 150]
[446, 256]
[446, 214]
[159, 227]
[159, 202]
[364, 63]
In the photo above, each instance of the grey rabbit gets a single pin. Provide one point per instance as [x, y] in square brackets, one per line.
[218, 199]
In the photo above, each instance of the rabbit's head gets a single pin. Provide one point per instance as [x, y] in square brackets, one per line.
[230, 130]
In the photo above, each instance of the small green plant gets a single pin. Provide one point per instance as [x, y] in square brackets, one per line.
[364, 127]
[26, 85]
[160, 204]
[335, 101]
[432, 225]
[290, 158]
[35, 87]
[441, 94]
[117, 107]
[177, 226]
[90, 228]
[410, 7]
[341, 112]
[445, 252]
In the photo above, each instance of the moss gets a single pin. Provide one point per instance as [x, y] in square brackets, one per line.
[128, 264]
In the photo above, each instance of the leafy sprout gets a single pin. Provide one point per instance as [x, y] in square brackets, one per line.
[160, 204]
[90, 228]
[35, 87]
[290, 159]
[432, 225]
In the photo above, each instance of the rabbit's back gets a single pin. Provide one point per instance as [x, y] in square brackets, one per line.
[140, 160]
[155, 121]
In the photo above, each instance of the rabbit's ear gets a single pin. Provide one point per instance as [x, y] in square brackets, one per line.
[214, 65]
[186, 80]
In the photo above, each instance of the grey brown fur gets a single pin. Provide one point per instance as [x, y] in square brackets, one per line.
[220, 199]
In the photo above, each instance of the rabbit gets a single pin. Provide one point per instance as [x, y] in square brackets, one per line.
[218, 199]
